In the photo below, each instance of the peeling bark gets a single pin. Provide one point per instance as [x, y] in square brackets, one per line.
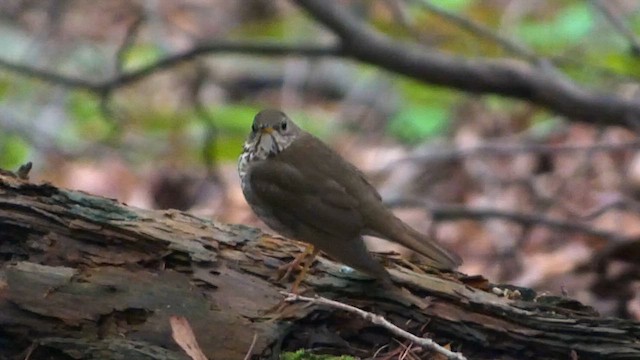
[87, 277]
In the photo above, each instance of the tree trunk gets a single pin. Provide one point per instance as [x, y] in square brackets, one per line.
[85, 277]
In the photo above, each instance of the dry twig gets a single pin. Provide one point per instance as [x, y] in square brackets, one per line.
[377, 320]
[253, 344]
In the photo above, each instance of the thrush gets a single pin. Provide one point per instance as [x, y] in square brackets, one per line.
[305, 191]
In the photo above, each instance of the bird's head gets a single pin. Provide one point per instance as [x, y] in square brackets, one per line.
[271, 132]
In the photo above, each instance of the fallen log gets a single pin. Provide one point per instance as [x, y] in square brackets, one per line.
[83, 276]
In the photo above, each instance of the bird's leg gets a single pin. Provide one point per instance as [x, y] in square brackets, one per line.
[288, 268]
[305, 269]
[309, 250]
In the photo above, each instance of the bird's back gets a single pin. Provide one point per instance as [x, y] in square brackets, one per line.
[376, 218]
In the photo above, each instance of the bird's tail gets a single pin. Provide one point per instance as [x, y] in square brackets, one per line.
[354, 253]
[401, 233]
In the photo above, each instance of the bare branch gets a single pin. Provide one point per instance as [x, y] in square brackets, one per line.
[539, 84]
[454, 212]
[617, 204]
[510, 45]
[451, 212]
[507, 149]
[121, 80]
[129, 39]
[619, 25]
[51, 77]
[253, 344]
[479, 30]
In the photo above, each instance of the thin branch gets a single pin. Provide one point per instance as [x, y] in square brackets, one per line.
[29, 350]
[505, 149]
[619, 25]
[508, 44]
[479, 30]
[51, 77]
[451, 212]
[618, 204]
[121, 80]
[377, 320]
[540, 84]
[129, 40]
[253, 344]
[455, 212]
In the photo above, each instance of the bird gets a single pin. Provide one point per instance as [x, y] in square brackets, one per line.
[306, 191]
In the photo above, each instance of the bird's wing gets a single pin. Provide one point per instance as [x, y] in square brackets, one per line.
[376, 218]
[348, 176]
[300, 195]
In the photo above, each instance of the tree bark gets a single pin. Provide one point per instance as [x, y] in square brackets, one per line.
[85, 277]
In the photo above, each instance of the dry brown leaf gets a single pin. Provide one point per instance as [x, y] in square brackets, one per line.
[183, 335]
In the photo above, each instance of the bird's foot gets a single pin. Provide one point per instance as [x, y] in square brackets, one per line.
[285, 271]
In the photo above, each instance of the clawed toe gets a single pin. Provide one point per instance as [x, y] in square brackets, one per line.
[285, 271]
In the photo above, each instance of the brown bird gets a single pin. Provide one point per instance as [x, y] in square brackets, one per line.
[304, 190]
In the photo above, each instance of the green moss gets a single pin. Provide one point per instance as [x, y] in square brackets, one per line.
[95, 208]
[304, 355]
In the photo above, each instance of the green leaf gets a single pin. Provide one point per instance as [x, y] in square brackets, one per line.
[235, 119]
[453, 5]
[413, 124]
[569, 25]
[141, 56]
[88, 119]
[275, 28]
[5, 86]
[290, 27]
[14, 151]
[419, 93]
[231, 123]
[622, 64]
[544, 125]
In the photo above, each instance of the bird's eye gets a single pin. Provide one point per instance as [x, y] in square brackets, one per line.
[283, 125]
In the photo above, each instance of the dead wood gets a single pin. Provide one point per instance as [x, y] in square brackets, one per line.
[85, 277]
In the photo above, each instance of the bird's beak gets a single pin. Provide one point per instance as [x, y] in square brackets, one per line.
[266, 130]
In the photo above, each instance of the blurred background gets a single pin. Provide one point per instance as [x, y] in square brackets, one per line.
[149, 102]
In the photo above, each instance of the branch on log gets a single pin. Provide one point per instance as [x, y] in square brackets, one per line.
[87, 277]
